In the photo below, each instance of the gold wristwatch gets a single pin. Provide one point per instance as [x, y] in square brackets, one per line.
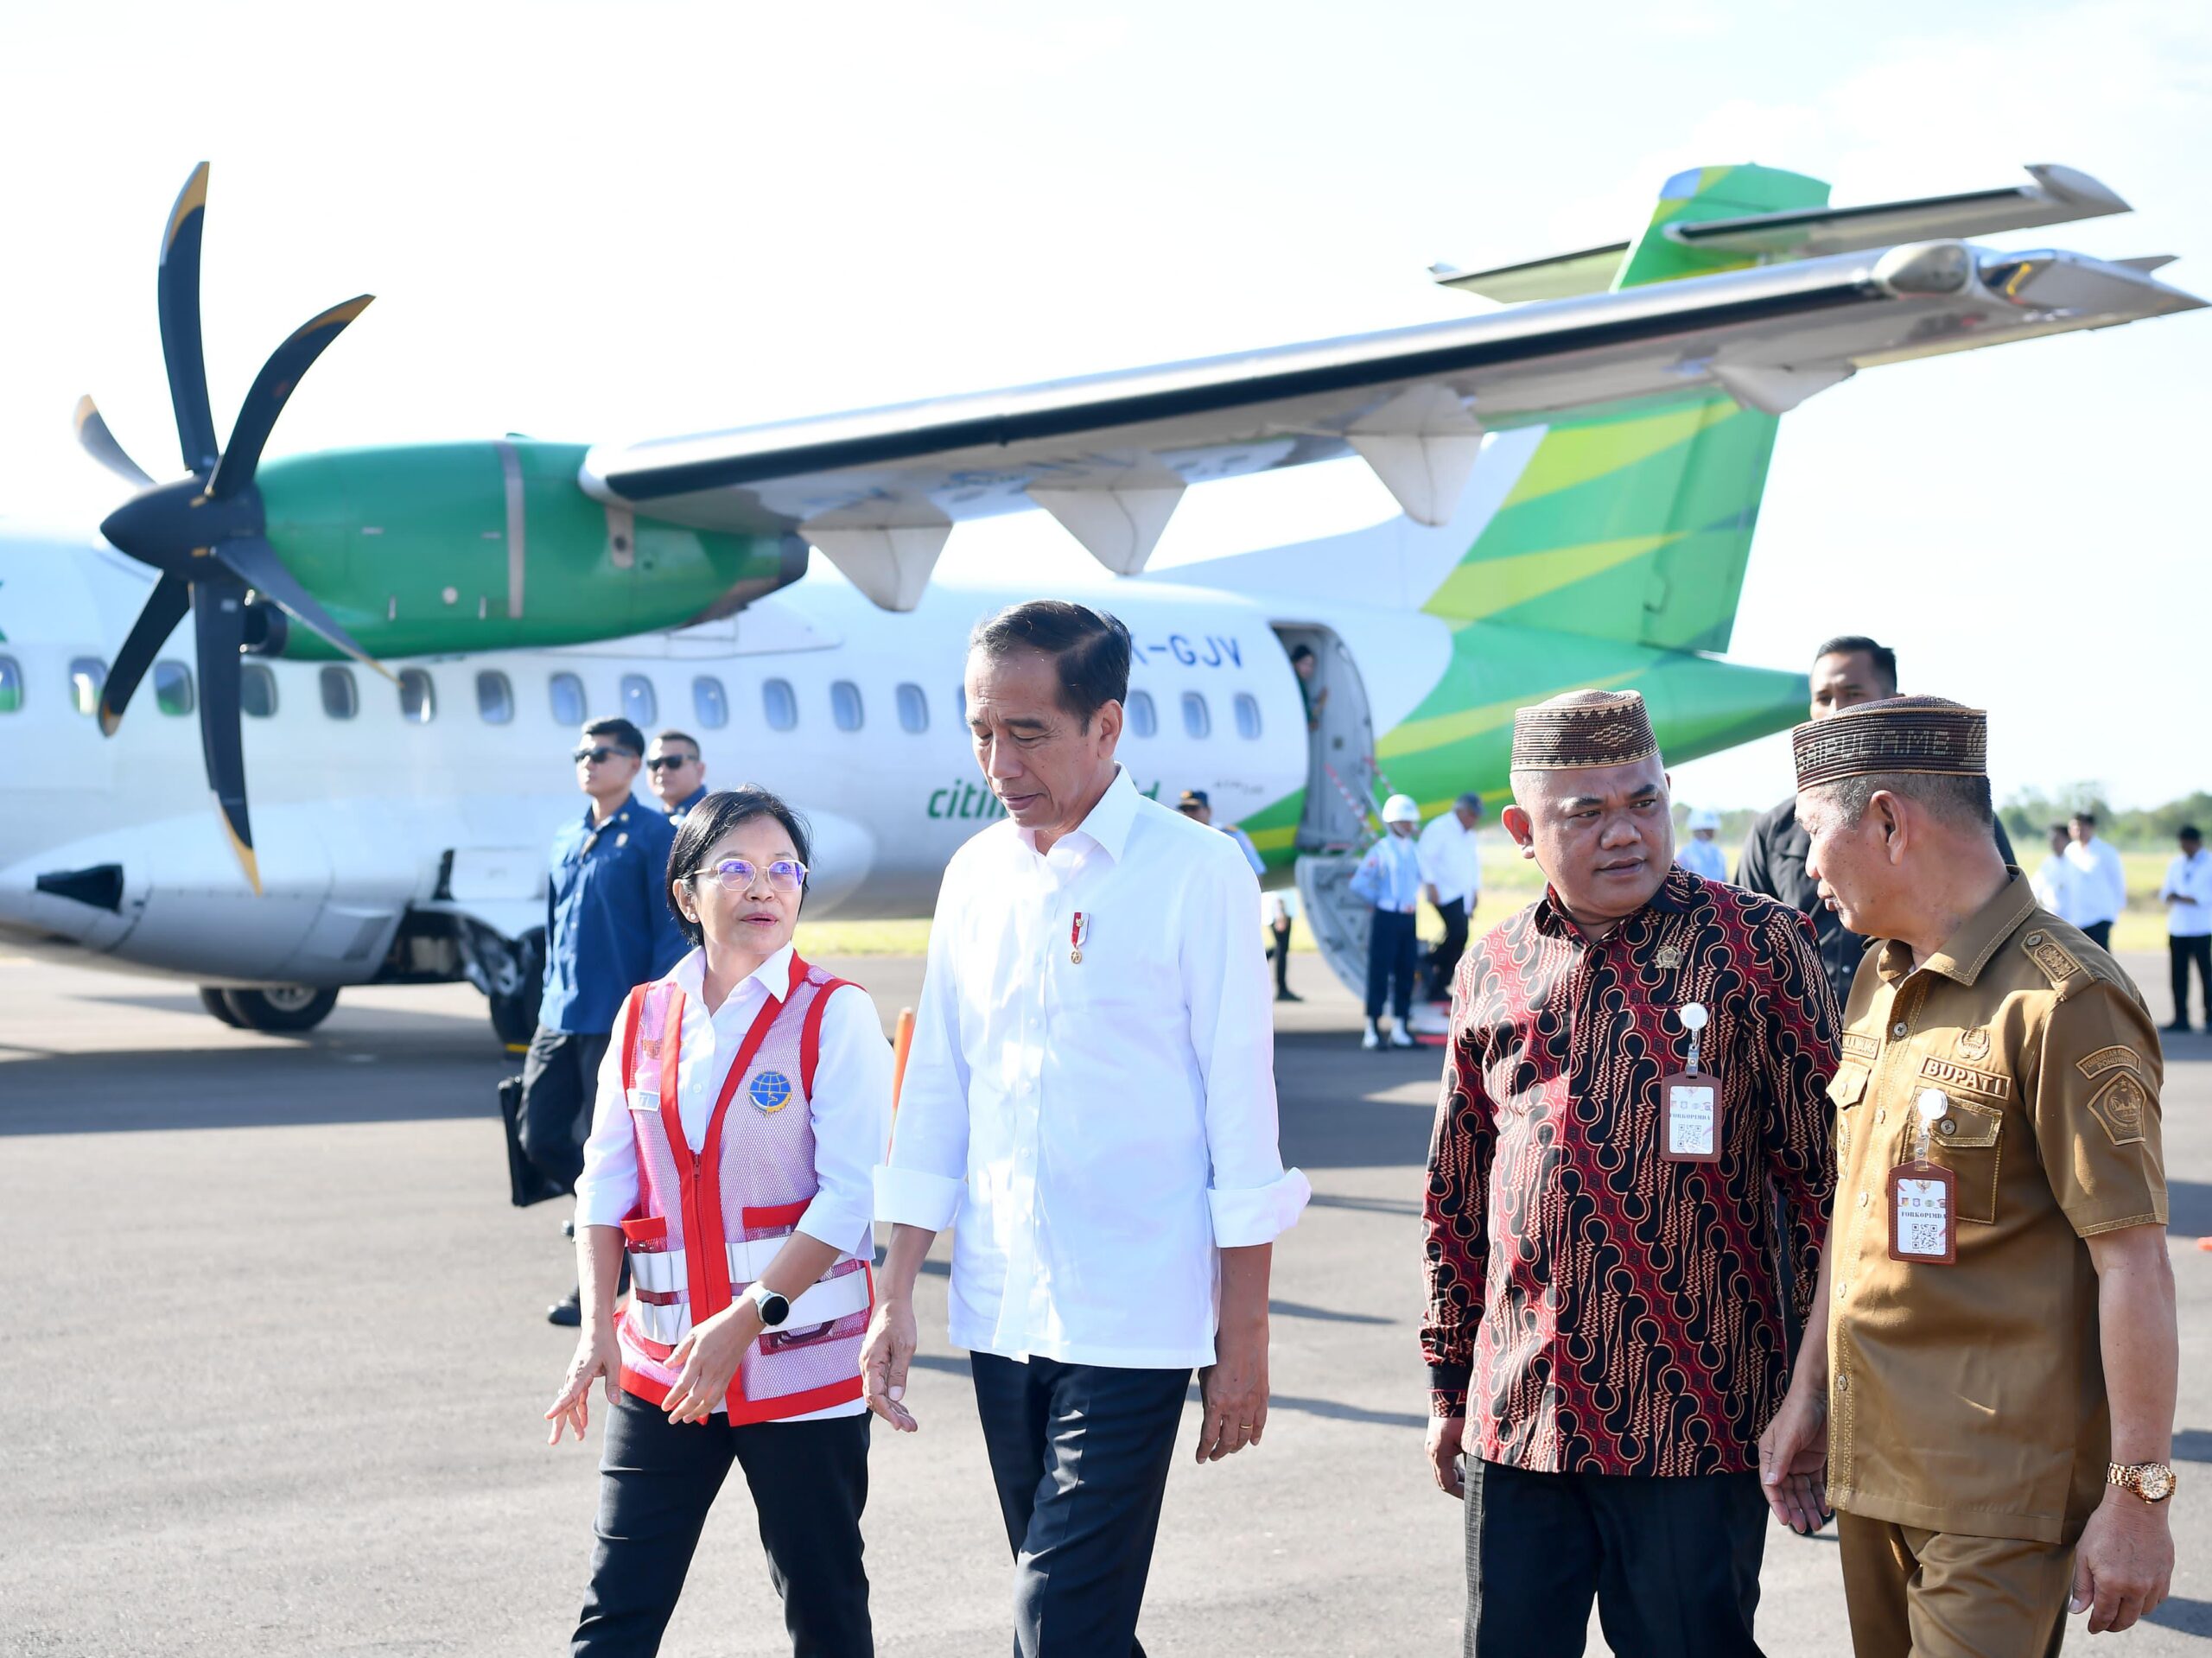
[2153, 1482]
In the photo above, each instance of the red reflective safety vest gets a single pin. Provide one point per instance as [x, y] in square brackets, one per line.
[708, 1222]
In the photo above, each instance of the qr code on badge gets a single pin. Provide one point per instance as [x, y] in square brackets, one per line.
[1921, 1218]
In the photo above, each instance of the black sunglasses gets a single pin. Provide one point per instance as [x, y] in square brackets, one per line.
[598, 756]
[669, 762]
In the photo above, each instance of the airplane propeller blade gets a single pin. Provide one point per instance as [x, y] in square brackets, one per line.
[271, 387]
[164, 609]
[254, 561]
[180, 308]
[100, 444]
[219, 623]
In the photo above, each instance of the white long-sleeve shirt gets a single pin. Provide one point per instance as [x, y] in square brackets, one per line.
[2192, 876]
[1451, 859]
[850, 1108]
[2054, 883]
[1100, 1128]
[2100, 887]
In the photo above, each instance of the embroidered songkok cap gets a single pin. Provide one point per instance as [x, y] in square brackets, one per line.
[1581, 728]
[1898, 733]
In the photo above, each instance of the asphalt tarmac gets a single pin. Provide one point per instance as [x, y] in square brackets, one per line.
[278, 1356]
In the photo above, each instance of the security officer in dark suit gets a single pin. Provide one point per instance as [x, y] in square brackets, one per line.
[607, 928]
[1846, 671]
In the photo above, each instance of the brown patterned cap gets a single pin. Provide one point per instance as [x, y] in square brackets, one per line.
[1579, 728]
[1930, 734]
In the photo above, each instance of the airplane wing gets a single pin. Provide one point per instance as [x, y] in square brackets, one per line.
[1108, 455]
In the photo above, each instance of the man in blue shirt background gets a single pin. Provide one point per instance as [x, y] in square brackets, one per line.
[677, 774]
[1389, 877]
[609, 927]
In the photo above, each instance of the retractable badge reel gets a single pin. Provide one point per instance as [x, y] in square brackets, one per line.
[1923, 1196]
[1690, 1102]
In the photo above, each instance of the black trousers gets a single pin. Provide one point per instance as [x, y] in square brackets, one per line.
[1391, 949]
[1079, 1454]
[1673, 1564]
[1443, 959]
[657, 1480]
[1280, 949]
[2098, 933]
[2184, 952]
[560, 1081]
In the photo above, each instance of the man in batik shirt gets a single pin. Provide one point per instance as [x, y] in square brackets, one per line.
[1638, 1064]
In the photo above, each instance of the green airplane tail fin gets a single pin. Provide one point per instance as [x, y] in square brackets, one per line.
[1633, 522]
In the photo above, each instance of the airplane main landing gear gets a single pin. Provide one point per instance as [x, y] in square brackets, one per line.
[280, 1009]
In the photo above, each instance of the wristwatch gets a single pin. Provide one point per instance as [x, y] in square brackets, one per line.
[775, 1308]
[2153, 1482]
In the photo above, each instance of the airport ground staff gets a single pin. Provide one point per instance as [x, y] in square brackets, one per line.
[678, 775]
[739, 1120]
[2187, 893]
[2000, 1340]
[1637, 1060]
[1389, 878]
[608, 927]
[1451, 875]
[1091, 1092]
[1701, 854]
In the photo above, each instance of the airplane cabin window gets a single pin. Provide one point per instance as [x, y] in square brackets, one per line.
[87, 678]
[845, 705]
[257, 692]
[709, 702]
[913, 710]
[1198, 718]
[779, 704]
[341, 698]
[418, 696]
[640, 706]
[1247, 716]
[567, 694]
[173, 688]
[495, 697]
[11, 684]
[1144, 719]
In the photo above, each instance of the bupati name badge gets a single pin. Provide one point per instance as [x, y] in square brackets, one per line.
[1689, 1104]
[1923, 1197]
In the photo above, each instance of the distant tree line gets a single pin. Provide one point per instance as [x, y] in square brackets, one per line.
[2030, 812]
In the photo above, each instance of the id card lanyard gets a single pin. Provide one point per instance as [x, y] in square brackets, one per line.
[1689, 1103]
[1923, 1196]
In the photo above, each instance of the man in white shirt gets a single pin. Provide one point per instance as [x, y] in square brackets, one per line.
[2187, 894]
[2054, 882]
[1091, 1092]
[1452, 880]
[2100, 889]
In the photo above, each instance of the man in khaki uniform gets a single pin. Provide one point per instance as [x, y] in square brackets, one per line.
[1975, 1403]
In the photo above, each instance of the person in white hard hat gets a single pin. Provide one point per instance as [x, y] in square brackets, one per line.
[1701, 854]
[1389, 877]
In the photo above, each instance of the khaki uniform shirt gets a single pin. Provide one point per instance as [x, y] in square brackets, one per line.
[1970, 1398]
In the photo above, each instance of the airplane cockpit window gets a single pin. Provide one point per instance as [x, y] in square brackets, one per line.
[1198, 718]
[418, 696]
[1247, 716]
[567, 694]
[87, 678]
[341, 698]
[1144, 719]
[257, 690]
[710, 702]
[11, 684]
[640, 706]
[913, 710]
[495, 697]
[173, 688]
[779, 704]
[845, 705]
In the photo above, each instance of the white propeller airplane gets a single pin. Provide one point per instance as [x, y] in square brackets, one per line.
[1581, 473]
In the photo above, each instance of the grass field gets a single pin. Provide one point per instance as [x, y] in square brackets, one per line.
[1509, 882]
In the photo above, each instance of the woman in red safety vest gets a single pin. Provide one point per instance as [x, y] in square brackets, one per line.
[741, 1110]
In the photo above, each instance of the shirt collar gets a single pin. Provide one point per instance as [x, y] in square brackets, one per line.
[688, 802]
[774, 975]
[1967, 951]
[591, 812]
[1109, 820]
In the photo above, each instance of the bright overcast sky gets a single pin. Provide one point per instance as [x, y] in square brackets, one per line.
[591, 221]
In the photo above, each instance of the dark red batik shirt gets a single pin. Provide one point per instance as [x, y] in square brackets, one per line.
[1593, 1307]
